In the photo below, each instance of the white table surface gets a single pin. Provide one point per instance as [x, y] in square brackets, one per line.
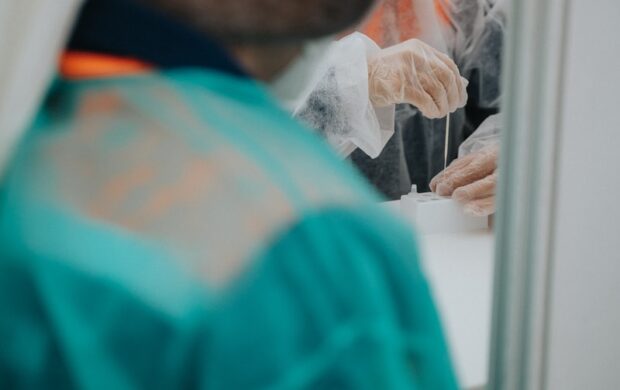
[460, 270]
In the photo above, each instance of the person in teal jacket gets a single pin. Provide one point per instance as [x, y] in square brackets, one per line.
[165, 224]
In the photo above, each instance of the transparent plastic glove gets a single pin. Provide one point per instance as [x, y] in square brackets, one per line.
[471, 180]
[415, 73]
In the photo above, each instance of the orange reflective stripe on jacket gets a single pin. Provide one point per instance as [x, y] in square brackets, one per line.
[78, 65]
[442, 7]
[396, 21]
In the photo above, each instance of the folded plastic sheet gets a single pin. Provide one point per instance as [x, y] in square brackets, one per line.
[339, 106]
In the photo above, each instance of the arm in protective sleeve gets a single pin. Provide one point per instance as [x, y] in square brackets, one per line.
[340, 301]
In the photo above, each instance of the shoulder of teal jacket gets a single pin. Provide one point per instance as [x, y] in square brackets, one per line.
[211, 115]
[203, 166]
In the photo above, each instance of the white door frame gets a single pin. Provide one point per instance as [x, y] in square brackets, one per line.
[533, 73]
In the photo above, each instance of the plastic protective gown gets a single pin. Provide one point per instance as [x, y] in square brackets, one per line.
[178, 230]
[470, 31]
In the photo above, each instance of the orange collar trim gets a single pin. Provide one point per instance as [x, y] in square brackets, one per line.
[84, 65]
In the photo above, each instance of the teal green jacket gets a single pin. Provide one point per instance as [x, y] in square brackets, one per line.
[178, 230]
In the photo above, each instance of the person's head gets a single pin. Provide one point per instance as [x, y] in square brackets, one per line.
[267, 21]
[266, 34]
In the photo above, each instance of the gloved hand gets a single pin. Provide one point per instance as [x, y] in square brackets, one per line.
[415, 73]
[471, 180]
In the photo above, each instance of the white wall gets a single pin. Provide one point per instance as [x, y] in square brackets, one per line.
[32, 34]
[584, 327]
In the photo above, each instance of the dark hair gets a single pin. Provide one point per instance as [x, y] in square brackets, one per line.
[268, 21]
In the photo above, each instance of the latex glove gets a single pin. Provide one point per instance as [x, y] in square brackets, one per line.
[471, 180]
[415, 73]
